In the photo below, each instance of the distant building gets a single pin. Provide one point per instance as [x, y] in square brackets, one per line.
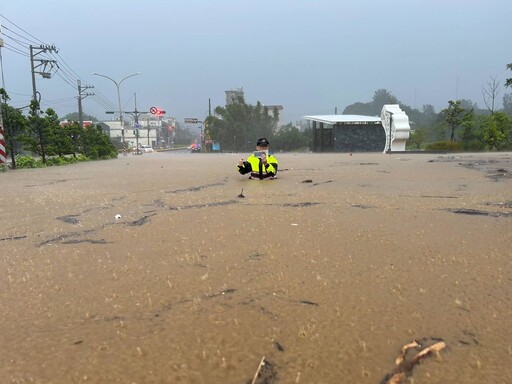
[357, 133]
[270, 111]
[85, 124]
[114, 129]
[150, 130]
[233, 95]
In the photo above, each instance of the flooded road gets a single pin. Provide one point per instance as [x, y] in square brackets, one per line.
[155, 269]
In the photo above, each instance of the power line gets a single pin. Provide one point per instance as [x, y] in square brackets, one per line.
[64, 77]
[61, 69]
[17, 34]
[15, 50]
[21, 29]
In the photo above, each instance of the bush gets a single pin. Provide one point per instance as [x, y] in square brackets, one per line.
[450, 146]
[51, 161]
[474, 146]
[28, 162]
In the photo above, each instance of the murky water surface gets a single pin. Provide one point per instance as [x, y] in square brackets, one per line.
[323, 274]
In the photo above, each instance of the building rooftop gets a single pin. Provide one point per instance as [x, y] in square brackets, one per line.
[345, 119]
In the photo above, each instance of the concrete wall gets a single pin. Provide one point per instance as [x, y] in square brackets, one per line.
[349, 137]
[359, 138]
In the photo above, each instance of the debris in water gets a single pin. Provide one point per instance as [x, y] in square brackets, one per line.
[118, 216]
[265, 374]
[405, 366]
[477, 212]
[241, 195]
[304, 204]
[307, 302]
[13, 238]
[70, 219]
[278, 346]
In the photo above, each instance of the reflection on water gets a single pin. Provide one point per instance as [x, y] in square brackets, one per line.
[324, 281]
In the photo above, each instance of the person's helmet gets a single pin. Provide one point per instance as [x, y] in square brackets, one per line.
[263, 142]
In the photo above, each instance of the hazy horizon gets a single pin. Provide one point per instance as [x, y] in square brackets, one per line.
[310, 57]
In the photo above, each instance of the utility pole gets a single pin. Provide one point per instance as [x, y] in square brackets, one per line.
[135, 115]
[43, 67]
[80, 97]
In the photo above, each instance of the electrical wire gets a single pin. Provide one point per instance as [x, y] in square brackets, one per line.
[9, 47]
[17, 34]
[57, 65]
[21, 29]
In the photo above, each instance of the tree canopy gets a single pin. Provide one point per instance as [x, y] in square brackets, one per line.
[508, 82]
[374, 107]
[42, 134]
[238, 125]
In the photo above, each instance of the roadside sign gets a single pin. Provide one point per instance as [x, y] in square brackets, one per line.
[191, 120]
[153, 110]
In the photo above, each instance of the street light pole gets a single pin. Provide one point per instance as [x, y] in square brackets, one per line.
[118, 85]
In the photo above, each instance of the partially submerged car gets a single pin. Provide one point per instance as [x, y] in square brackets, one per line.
[145, 149]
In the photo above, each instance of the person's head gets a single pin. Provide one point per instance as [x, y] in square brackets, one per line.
[262, 144]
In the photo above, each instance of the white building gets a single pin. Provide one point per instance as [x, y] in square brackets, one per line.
[148, 129]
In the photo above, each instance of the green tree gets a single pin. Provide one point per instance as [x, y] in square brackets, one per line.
[508, 82]
[238, 124]
[507, 103]
[429, 115]
[373, 108]
[468, 104]
[42, 134]
[497, 130]
[380, 98]
[37, 138]
[59, 142]
[96, 144]
[15, 125]
[416, 138]
[454, 116]
[74, 134]
[290, 138]
[472, 133]
[74, 116]
[358, 108]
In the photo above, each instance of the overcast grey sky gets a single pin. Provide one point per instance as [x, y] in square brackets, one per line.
[308, 56]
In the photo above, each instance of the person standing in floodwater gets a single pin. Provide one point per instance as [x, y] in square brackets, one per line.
[260, 164]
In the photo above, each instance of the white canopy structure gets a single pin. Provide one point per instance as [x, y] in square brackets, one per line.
[344, 119]
[357, 133]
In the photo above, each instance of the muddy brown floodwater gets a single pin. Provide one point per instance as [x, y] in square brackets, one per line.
[153, 269]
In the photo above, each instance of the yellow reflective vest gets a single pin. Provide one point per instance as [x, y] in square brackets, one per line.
[258, 170]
